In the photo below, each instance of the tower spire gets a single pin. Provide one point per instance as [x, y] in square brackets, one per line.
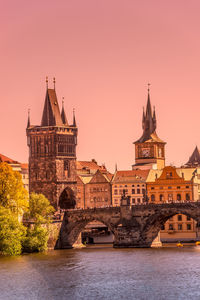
[47, 82]
[54, 83]
[74, 119]
[28, 123]
[63, 115]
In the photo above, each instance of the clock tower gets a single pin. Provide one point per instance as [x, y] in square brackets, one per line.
[149, 149]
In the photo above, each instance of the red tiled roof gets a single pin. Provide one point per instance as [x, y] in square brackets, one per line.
[4, 158]
[131, 175]
[89, 165]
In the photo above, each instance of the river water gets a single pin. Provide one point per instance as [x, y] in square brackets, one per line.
[102, 272]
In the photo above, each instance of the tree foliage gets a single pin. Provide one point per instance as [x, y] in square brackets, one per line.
[13, 195]
[36, 239]
[40, 210]
[14, 237]
[12, 233]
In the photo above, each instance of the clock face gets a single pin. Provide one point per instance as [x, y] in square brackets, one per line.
[146, 152]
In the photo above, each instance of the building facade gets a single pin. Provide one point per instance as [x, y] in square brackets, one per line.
[132, 183]
[93, 185]
[52, 154]
[169, 186]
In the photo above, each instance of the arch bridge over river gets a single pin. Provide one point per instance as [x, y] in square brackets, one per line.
[136, 226]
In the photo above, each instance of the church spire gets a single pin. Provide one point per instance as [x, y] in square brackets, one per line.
[63, 115]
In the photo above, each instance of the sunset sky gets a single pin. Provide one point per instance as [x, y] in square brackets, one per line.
[102, 53]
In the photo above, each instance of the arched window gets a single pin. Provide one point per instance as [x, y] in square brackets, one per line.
[187, 197]
[170, 197]
[161, 197]
[152, 197]
[179, 197]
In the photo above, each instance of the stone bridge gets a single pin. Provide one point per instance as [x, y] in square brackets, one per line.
[135, 226]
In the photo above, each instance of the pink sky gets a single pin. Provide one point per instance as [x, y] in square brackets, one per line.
[102, 53]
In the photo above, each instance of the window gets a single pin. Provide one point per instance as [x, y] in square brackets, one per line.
[161, 188]
[179, 217]
[161, 197]
[178, 187]
[106, 199]
[187, 187]
[133, 200]
[171, 227]
[138, 185]
[179, 197]
[116, 201]
[169, 187]
[188, 226]
[133, 191]
[152, 188]
[187, 197]
[170, 197]
[143, 191]
[138, 191]
[163, 227]
[153, 198]
[115, 192]
[188, 218]
[138, 200]
[180, 227]
[132, 185]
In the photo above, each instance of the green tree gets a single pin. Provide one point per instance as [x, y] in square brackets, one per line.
[13, 195]
[36, 239]
[12, 233]
[40, 212]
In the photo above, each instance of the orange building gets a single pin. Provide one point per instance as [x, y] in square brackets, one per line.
[168, 186]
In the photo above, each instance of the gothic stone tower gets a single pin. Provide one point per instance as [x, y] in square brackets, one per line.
[52, 154]
[149, 149]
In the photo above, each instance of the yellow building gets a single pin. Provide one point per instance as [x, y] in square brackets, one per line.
[133, 182]
[174, 185]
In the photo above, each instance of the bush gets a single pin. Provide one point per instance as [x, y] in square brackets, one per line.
[36, 239]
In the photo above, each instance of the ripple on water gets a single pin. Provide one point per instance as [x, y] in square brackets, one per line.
[102, 273]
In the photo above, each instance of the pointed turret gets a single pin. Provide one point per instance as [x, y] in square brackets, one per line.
[63, 115]
[28, 122]
[51, 112]
[74, 119]
[194, 159]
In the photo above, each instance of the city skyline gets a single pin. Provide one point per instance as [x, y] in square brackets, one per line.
[102, 65]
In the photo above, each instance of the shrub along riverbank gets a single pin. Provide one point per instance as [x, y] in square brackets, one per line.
[15, 238]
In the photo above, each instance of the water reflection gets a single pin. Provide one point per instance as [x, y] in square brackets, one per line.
[103, 273]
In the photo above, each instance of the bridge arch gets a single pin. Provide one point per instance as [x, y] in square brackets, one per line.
[156, 221]
[74, 224]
